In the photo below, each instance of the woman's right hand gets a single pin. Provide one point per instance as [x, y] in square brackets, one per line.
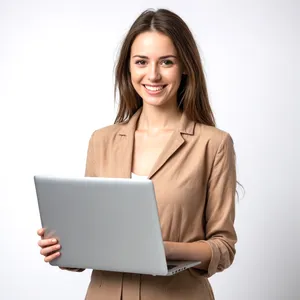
[49, 247]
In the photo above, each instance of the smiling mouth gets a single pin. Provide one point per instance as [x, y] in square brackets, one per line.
[154, 88]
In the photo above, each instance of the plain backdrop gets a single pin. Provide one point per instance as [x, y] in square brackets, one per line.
[56, 87]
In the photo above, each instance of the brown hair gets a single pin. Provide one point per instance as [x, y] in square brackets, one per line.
[192, 97]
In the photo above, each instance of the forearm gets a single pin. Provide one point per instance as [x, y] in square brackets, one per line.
[189, 251]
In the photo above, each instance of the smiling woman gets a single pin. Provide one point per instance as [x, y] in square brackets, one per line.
[159, 40]
[165, 131]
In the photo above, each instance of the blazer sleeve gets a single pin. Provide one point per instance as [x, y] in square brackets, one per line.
[220, 208]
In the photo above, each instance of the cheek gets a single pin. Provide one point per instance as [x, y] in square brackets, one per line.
[136, 77]
[172, 75]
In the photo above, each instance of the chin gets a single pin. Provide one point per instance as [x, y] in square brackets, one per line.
[160, 101]
[155, 102]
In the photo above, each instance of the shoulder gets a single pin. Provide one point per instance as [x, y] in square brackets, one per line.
[106, 135]
[213, 137]
[107, 131]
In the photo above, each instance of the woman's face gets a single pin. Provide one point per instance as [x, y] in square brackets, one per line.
[155, 69]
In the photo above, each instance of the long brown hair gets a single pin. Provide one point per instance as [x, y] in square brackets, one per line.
[192, 96]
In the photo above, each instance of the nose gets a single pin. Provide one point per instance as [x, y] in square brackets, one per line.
[154, 73]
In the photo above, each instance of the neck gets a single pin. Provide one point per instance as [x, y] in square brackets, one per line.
[154, 118]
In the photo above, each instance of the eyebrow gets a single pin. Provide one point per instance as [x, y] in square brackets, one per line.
[162, 57]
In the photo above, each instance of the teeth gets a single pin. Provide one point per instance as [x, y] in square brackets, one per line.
[154, 88]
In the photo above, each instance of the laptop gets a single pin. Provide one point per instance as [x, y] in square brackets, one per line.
[109, 224]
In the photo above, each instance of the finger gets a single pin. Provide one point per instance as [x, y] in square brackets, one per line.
[41, 231]
[47, 242]
[49, 250]
[51, 257]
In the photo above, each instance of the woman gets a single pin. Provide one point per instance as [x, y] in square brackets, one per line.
[165, 130]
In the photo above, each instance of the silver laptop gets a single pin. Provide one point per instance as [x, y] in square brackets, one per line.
[107, 224]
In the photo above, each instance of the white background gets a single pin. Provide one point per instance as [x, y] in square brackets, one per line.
[56, 87]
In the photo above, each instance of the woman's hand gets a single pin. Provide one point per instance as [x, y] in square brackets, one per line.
[189, 251]
[49, 247]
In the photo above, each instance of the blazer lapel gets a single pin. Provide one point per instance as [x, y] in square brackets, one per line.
[175, 142]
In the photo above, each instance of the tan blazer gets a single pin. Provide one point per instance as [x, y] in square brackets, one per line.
[195, 181]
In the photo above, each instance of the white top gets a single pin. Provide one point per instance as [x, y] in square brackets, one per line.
[134, 176]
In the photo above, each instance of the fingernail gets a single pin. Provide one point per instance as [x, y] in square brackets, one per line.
[53, 240]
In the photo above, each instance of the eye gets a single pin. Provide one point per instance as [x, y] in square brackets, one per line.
[140, 62]
[167, 62]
